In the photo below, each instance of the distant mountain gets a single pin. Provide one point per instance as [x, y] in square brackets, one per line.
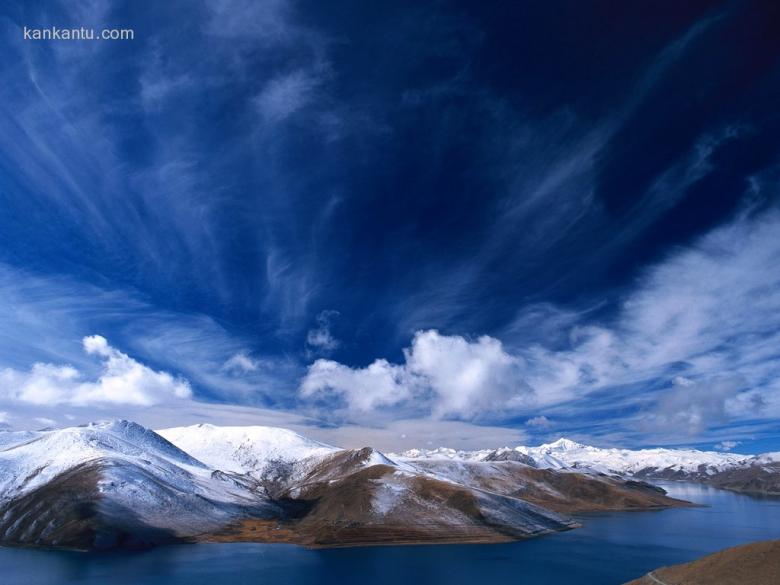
[269, 454]
[746, 473]
[118, 484]
[757, 563]
[563, 491]
[760, 476]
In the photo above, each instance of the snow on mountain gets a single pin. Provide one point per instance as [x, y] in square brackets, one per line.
[627, 461]
[29, 460]
[568, 454]
[251, 450]
[379, 458]
[135, 464]
[134, 484]
[562, 444]
[443, 453]
[10, 438]
[768, 458]
[362, 497]
[116, 484]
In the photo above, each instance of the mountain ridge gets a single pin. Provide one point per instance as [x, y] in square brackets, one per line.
[117, 484]
[757, 474]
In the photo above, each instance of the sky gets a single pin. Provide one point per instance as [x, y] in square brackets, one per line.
[397, 223]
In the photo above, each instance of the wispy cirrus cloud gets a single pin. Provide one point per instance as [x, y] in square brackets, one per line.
[267, 21]
[546, 173]
[241, 363]
[693, 346]
[161, 202]
[283, 96]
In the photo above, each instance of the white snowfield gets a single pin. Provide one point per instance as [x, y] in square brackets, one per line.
[249, 450]
[31, 459]
[567, 454]
[768, 458]
[137, 462]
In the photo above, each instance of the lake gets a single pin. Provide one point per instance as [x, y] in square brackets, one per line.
[609, 549]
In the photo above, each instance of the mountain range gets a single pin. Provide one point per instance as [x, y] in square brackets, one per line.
[756, 474]
[116, 484]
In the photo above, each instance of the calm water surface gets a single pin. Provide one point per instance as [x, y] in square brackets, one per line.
[610, 549]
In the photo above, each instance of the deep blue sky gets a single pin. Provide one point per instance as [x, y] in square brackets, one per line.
[580, 197]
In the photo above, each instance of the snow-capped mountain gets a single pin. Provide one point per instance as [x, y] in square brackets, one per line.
[31, 459]
[768, 458]
[643, 462]
[251, 450]
[118, 484]
[565, 454]
[113, 483]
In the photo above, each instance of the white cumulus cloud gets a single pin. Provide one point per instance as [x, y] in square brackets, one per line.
[727, 445]
[448, 375]
[691, 408]
[467, 378]
[539, 422]
[362, 389]
[122, 380]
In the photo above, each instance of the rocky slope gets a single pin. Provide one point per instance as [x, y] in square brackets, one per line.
[759, 476]
[361, 497]
[562, 491]
[754, 564]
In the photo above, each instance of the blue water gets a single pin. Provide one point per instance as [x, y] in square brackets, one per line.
[608, 549]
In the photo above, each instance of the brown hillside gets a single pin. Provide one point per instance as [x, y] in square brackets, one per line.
[757, 563]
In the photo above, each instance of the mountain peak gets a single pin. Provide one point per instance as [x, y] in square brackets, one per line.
[244, 449]
[564, 444]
